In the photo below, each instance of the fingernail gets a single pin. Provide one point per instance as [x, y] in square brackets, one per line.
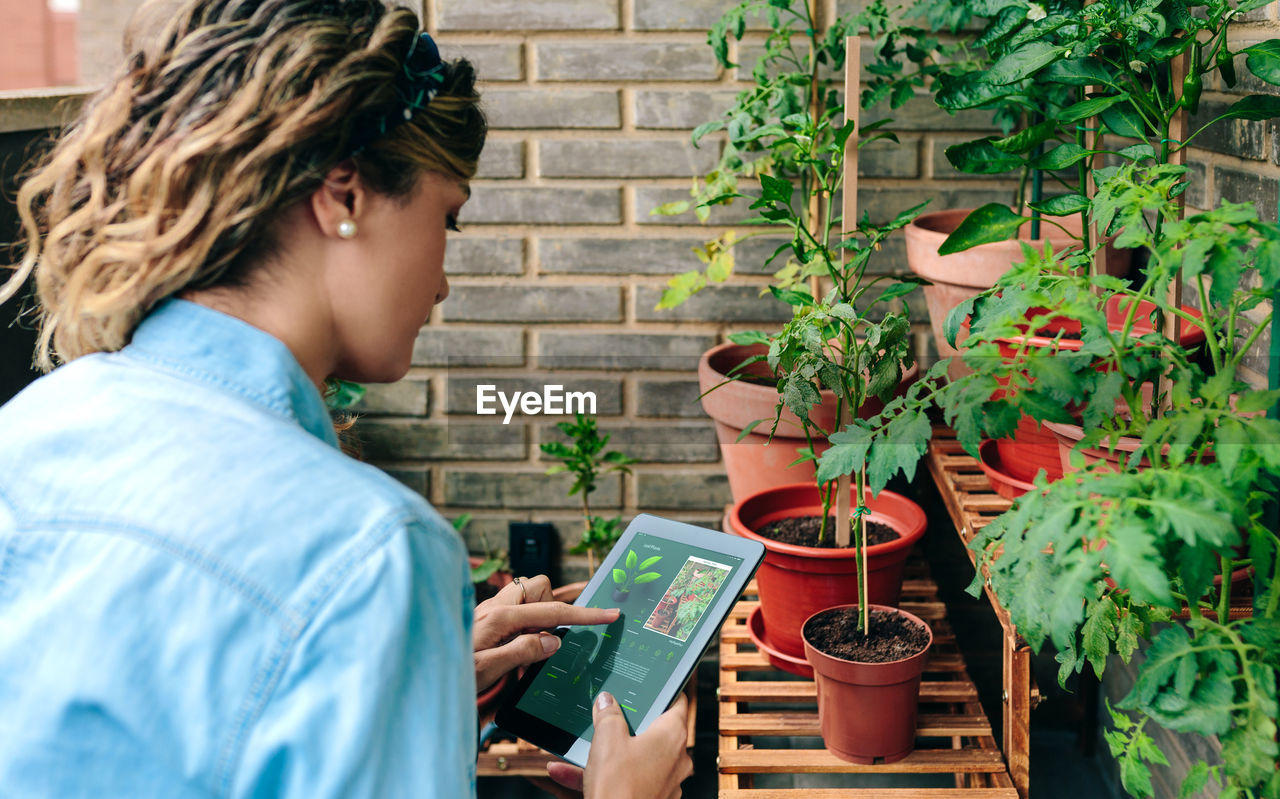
[603, 700]
[550, 643]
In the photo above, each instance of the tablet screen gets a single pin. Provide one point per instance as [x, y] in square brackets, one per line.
[633, 657]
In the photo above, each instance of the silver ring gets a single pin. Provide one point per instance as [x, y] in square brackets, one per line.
[523, 594]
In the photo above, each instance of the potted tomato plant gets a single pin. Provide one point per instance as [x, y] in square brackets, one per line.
[786, 127]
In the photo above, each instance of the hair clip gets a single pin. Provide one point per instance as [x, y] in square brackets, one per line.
[420, 80]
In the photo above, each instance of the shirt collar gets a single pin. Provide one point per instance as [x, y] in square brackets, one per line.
[210, 346]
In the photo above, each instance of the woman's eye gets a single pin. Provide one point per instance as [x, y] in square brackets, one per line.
[451, 223]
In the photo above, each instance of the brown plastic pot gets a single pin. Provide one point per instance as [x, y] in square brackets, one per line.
[959, 276]
[867, 711]
[795, 582]
[755, 462]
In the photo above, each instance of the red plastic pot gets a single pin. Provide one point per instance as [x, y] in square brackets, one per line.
[867, 711]
[795, 582]
[755, 463]
[1004, 484]
[1034, 448]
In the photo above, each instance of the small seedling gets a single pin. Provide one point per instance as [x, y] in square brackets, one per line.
[584, 457]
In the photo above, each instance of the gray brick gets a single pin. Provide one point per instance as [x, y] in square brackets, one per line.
[887, 159]
[461, 398]
[502, 159]
[521, 15]
[683, 442]
[543, 206]
[723, 303]
[625, 158]
[644, 256]
[625, 61]
[1240, 137]
[650, 197]
[666, 398]
[468, 346]
[667, 109]
[679, 15]
[418, 480]
[553, 108]
[421, 440]
[493, 61]
[526, 303]
[404, 398]
[682, 491]
[1247, 187]
[467, 488]
[1196, 197]
[922, 114]
[622, 351]
[468, 255]
[885, 202]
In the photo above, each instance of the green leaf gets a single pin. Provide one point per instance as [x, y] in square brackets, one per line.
[1197, 778]
[981, 158]
[1088, 108]
[671, 209]
[1124, 120]
[647, 577]
[705, 128]
[1076, 72]
[776, 189]
[746, 431]
[847, 454]
[1024, 140]
[895, 291]
[1062, 205]
[619, 576]
[1263, 60]
[486, 569]
[1023, 62]
[632, 560]
[340, 395]
[647, 562]
[1255, 106]
[970, 90]
[1061, 157]
[991, 222]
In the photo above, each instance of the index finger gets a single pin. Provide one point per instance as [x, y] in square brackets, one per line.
[546, 615]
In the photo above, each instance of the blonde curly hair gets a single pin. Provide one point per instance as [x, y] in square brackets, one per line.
[225, 115]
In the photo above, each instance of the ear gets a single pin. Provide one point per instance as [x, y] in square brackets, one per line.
[342, 196]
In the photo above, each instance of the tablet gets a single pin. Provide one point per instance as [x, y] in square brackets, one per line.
[675, 584]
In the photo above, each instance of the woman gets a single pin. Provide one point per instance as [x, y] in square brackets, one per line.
[199, 594]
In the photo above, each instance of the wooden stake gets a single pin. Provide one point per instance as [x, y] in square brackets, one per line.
[849, 211]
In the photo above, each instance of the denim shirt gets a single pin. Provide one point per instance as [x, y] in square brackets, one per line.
[200, 595]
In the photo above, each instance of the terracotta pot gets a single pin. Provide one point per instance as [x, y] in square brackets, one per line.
[1001, 481]
[1067, 436]
[962, 275]
[867, 711]
[795, 582]
[1034, 448]
[756, 463]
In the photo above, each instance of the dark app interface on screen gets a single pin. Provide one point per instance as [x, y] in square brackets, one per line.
[664, 589]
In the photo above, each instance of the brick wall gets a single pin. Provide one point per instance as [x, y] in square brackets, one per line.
[560, 263]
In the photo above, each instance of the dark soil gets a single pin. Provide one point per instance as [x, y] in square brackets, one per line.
[803, 531]
[893, 636]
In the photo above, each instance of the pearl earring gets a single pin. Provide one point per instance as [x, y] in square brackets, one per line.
[347, 228]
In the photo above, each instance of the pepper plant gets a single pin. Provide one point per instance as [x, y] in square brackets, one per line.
[585, 458]
[1067, 63]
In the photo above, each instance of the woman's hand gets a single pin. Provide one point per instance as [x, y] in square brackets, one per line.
[648, 766]
[510, 629]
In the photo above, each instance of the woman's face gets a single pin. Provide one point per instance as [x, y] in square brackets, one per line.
[385, 291]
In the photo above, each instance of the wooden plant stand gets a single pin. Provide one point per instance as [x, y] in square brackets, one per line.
[955, 736]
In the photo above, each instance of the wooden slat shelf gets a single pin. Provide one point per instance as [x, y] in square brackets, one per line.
[953, 734]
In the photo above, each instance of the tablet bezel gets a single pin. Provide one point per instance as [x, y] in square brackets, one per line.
[569, 746]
